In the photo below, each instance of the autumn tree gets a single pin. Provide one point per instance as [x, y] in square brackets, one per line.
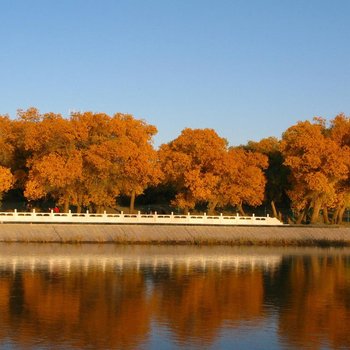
[317, 164]
[118, 155]
[89, 159]
[243, 179]
[203, 169]
[6, 180]
[55, 164]
[192, 162]
[340, 133]
[140, 167]
[6, 155]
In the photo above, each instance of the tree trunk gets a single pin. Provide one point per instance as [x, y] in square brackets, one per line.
[340, 215]
[302, 215]
[66, 206]
[274, 211]
[290, 221]
[241, 210]
[325, 215]
[132, 202]
[79, 202]
[316, 211]
[335, 216]
[211, 207]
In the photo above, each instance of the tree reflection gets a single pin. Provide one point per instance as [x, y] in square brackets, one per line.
[317, 310]
[115, 307]
[195, 305]
[102, 310]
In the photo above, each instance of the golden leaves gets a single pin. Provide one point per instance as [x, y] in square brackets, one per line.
[318, 158]
[6, 179]
[203, 169]
[90, 158]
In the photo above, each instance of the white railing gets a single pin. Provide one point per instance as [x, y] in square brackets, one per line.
[139, 218]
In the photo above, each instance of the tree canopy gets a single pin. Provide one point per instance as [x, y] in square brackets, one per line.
[203, 169]
[90, 159]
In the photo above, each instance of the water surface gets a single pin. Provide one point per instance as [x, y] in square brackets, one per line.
[173, 297]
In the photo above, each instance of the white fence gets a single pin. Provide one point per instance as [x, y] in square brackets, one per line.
[139, 218]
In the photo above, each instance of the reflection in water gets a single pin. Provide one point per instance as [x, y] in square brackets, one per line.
[125, 297]
[317, 307]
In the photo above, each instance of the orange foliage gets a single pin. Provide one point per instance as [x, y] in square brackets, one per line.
[265, 146]
[6, 154]
[6, 180]
[88, 159]
[6, 141]
[193, 162]
[202, 169]
[245, 180]
[317, 162]
[91, 158]
[340, 133]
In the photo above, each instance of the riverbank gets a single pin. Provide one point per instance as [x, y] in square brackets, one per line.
[181, 234]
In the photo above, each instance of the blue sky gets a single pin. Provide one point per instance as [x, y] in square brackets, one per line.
[248, 69]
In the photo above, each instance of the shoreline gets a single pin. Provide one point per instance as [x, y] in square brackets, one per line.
[313, 236]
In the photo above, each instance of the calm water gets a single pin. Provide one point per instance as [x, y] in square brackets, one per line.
[157, 297]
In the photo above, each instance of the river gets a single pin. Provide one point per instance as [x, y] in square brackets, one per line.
[90, 296]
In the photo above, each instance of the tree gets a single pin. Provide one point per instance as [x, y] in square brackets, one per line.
[6, 180]
[6, 155]
[6, 142]
[340, 133]
[317, 164]
[140, 167]
[89, 159]
[193, 163]
[118, 154]
[55, 165]
[203, 169]
[243, 181]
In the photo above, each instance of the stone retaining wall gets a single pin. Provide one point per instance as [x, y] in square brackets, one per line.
[170, 234]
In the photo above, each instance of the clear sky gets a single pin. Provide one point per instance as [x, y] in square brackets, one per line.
[248, 69]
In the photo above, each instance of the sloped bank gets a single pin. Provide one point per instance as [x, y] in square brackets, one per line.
[181, 234]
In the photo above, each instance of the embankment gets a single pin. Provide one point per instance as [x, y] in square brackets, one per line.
[179, 234]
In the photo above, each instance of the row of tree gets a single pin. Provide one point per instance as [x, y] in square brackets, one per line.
[91, 159]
